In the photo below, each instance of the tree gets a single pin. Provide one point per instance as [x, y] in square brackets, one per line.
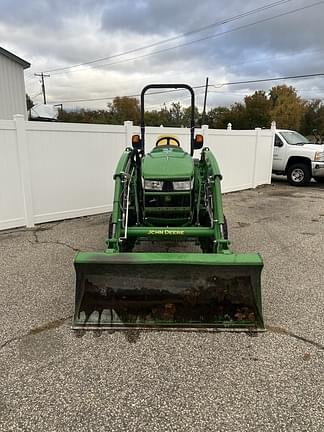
[171, 116]
[85, 116]
[287, 108]
[313, 120]
[282, 105]
[124, 108]
[257, 110]
[218, 118]
[175, 115]
[152, 118]
[186, 117]
[238, 116]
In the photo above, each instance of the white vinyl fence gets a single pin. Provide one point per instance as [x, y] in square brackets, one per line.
[53, 171]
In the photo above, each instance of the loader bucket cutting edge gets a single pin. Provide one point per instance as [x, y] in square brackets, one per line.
[173, 290]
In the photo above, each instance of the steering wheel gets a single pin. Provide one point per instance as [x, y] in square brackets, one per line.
[168, 139]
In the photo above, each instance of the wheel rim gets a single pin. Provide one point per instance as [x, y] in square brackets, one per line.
[297, 175]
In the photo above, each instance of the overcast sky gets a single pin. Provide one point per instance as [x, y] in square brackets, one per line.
[239, 43]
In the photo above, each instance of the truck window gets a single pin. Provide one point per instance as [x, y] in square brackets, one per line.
[293, 137]
[278, 142]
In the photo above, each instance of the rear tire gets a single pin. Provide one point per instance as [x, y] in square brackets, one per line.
[319, 179]
[298, 174]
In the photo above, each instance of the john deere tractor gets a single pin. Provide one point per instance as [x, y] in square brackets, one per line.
[167, 195]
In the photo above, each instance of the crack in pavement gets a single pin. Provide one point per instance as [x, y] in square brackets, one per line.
[34, 330]
[59, 322]
[53, 242]
[47, 227]
[283, 331]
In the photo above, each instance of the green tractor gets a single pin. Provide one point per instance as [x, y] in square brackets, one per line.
[166, 196]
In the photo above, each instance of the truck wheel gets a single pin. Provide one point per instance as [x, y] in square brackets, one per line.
[319, 179]
[298, 174]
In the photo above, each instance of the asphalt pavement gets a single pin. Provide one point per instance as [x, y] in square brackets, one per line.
[51, 380]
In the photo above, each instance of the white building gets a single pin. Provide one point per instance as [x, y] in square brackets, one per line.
[12, 85]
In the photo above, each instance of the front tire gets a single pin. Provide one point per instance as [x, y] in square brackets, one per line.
[319, 179]
[207, 244]
[126, 245]
[299, 174]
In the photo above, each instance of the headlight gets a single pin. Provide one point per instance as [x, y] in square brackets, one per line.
[183, 185]
[319, 157]
[153, 185]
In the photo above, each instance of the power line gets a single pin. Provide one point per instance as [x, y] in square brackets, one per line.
[182, 35]
[228, 66]
[220, 85]
[196, 40]
[258, 60]
[129, 96]
[270, 79]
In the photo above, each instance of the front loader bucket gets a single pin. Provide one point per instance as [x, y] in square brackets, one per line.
[175, 290]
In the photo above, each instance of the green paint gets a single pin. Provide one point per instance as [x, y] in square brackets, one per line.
[167, 163]
[175, 290]
[170, 232]
[168, 215]
[177, 258]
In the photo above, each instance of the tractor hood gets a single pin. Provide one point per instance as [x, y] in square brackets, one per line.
[167, 163]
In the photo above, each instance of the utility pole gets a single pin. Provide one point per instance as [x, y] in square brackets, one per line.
[205, 100]
[42, 75]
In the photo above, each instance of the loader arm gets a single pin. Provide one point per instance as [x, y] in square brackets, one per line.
[166, 195]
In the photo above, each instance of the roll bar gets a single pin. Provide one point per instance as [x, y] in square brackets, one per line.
[171, 86]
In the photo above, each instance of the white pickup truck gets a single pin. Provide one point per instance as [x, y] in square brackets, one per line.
[297, 158]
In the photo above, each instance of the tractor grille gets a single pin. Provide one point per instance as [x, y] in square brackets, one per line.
[167, 200]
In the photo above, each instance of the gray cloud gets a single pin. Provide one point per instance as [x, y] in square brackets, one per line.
[154, 17]
[46, 13]
[56, 34]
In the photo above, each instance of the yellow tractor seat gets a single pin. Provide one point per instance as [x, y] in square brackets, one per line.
[167, 140]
